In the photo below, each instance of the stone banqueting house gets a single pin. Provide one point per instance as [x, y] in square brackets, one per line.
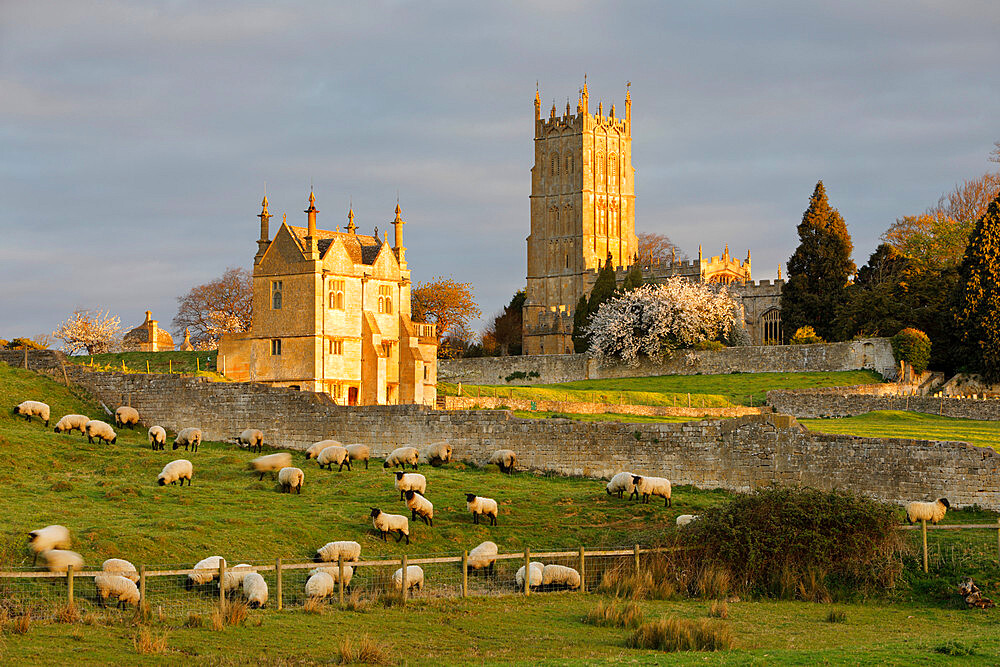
[148, 337]
[331, 314]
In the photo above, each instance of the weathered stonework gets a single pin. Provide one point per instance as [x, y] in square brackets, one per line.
[853, 401]
[580, 407]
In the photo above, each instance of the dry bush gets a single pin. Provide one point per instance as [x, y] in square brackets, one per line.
[390, 599]
[628, 615]
[67, 613]
[143, 614]
[20, 624]
[366, 652]
[314, 606]
[719, 609]
[356, 602]
[680, 634]
[713, 582]
[657, 579]
[148, 642]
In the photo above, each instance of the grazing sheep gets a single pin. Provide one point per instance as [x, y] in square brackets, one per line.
[402, 457]
[121, 567]
[621, 484]
[334, 454]
[126, 416]
[480, 505]
[420, 506]
[114, 585]
[410, 481]
[157, 437]
[50, 537]
[255, 590]
[921, 511]
[483, 556]
[317, 447]
[652, 486]
[206, 570]
[331, 551]
[685, 519]
[253, 438]
[233, 578]
[334, 572]
[95, 428]
[33, 409]
[189, 437]
[560, 575]
[270, 463]
[390, 523]
[59, 560]
[72, 423]
[436, 454]
[181, 469]
[320, 584]
[291, 478]
[505, 459]
[359, 453]
[535, 576]
[414, 578]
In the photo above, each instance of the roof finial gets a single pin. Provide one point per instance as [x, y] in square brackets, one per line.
[538, 103]
[351, 227]
[779, 271]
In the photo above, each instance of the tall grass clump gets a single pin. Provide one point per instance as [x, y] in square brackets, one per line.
[613, 614]
[147, 642]
[681, 634]
[364, 650]
[657, 579]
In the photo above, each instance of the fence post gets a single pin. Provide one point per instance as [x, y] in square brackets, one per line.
[197, 364]
[147, 366]
[583, 573]
[170, 365]
[69, 578]
[998, 539]
[465, 570]
[636, 559]
[689, 399]
[142, 584]
[277, 573]
[923, 533]
[222, 588]
[404, 582]
[340, 579]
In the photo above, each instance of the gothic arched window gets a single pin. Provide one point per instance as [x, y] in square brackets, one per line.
[770, 327]
[554, 165]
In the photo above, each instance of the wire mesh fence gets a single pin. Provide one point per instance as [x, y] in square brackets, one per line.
[950, 546]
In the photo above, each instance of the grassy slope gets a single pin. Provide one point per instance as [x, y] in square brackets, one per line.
[705, 390]
[898, 424]
[159, 362]
[603, 417]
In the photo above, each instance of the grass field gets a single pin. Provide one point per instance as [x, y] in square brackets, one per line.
[602, 417]
[705, 390]
[898, 424]
[201, 363]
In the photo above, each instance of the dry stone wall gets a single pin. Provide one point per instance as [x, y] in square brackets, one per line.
[853, 401]
[578, 407]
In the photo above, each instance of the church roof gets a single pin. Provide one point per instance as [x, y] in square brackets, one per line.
[361, 248]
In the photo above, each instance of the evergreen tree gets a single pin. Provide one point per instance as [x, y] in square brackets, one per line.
[604, 288]
[978, 307]
[633, 279]
[581, 317]
[818, 270]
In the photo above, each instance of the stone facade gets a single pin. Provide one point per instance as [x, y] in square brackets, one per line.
[148, 337]
[853, 401]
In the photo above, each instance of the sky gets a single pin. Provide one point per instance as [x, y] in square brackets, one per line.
[136, 138]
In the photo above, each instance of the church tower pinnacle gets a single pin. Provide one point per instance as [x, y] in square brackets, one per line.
[265, 237]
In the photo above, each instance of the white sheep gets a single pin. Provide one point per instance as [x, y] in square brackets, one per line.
[320, 584]
[484, 506]
[59, 560]
[31, 409]
[255, 590]
[115, 585]
[331, 551]
[535, 576]
[360, 453]
[685, 519]
[334, 572]
[253, 438]
[505, 459]
[233, 578]
[414, 578]
[205, 571]
[50, 537]
[157, 437]
[189, 437]
[180, 469]
[334, 454]
[560, 575]
[72, 423]
[410, 481]
[126, 416]
[291, 478]
[621, 484]
[314, 449]
[390, 523]
[121, 567]
[921, 511]
[652, 486]
[95, 428]
[420, 506]
[483, 556]
[436, 454]
[270, 463]
[402, 457]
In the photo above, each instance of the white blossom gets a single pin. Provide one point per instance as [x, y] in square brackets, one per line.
[94, 332]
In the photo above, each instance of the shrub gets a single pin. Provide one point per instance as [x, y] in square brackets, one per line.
[955, 648]
[719, 609]
[805, 336]
[708, 345]
[628, 615]
[912, 346]
[681, 634]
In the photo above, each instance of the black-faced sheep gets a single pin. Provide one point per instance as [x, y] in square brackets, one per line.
[652, 486]
[685, 519]
[359, 453]
[410, 481]
[175, 471]
[320, 584]
[402, 457]
[621, 484]
[121, 567]
[535, 577]
[50, 537]
[270, 463]
[255, 590]
[95, 428]
[29, 409]
[188, 437]
[420, 506]
[390, 523]
[72, 423]
[334, 455]
[560, 575]
[483, 556]
[59, 560]
[157, 437]
[479, 505]
[205, 570]
[116, 586]
[126, 416]
[314, 449]
[332, 551]
[291, 479]
[252, 439]
[922, 511]
[505, 459]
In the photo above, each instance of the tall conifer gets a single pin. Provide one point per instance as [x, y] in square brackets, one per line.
[604, 287]
[978, 308]
[581, 317]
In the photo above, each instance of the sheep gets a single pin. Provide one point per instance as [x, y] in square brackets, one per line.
[620, 484]
[652, 486]
[334, 454]
[72, 423]
[116, 586]
[402, 457]
[320, 584]
[436, 454]
[255, 590]
[50, 537]
[180, 469]
[505, 459]
[480, 505]
[120, 567]
[483, 556]
[233, 578]
[95, 428]
[334, 573]
[410, 481]
[33, 409]
[390, 523]
[359, 453]
[560, 575]
[157, 437]
[126, 416]
[270, 463]
[921, 511]
[317, 447]
[535, 576]
[414, 578]
[253, 438]
[331, 551]
[421, 507]
[59, 560]
[291, 478]
[189, 437]
[685, 519]
[205, 571]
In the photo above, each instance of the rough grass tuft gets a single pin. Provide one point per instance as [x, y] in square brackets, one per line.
[955, 648]
[681, 634]
[613, 614]
[194, 620]
[719, 609]
[67, 613]
[314, 606]
[836, 616]
[149, 642]
[364, 650]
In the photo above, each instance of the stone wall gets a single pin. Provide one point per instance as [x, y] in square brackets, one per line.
[873, 353]
[36, 359]
[736, 454]
[579, 407]
[853, 401]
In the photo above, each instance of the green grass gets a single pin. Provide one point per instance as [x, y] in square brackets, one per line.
[603, 417]
[159, 362]
[899, 424]
[706, 390]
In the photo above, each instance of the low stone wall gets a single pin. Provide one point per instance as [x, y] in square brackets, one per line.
[575, 407]
[737, 454]
[36, 359]
[873, 353]
[853, 401]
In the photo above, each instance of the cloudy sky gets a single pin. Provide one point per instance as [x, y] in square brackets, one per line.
[136, 137]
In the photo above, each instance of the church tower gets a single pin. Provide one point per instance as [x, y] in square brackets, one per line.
[582, 214]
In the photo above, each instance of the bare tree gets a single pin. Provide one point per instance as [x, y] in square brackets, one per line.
[655, 247]
[92, 331]
[224, 305]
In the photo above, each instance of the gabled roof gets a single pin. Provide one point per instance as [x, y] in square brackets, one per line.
[362, 249]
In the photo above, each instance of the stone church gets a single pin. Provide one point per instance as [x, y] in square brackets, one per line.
[331, 313]
[583, 216]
